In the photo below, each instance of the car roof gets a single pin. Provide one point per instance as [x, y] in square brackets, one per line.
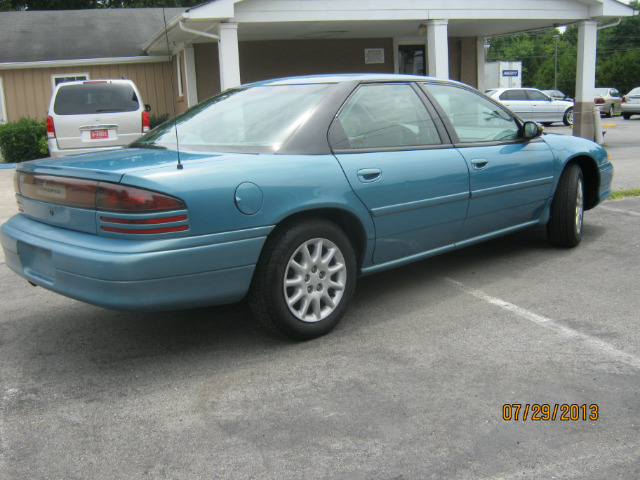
[97, 80]
[349, 77]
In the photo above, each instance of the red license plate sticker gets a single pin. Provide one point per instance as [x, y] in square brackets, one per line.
[95, 134]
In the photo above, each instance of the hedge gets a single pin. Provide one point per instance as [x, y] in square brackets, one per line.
[23, 140]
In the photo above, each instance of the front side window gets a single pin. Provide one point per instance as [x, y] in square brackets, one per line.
[474, 117]
[387, 116]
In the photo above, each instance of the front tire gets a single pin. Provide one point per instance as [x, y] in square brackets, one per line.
[567, 209]
[567, 119]
[304, 280]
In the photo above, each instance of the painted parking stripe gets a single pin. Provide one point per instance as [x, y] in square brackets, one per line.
[593, 342]
[620, 210]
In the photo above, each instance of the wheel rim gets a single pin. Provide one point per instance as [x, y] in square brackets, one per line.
[579, 208]
[570, 117]
[314, 280]
[611, 111]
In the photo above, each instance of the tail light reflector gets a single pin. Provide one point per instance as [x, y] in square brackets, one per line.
[145, 121]
[599, 100]
[121, 198]
[51, 129]
[624, 100]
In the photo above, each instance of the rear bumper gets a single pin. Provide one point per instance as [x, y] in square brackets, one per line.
[134, 275]
[630, 108]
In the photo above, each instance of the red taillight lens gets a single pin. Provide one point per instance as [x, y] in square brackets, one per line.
[51, 129]
[120, 198]
[624, 100]
[81, 193]
[145, 122]
[599, 100]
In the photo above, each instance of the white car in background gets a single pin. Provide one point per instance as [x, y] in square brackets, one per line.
[90, 115]
[631, 103]
[531, 104]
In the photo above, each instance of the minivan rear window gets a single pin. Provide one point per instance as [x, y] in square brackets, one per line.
[88, 98]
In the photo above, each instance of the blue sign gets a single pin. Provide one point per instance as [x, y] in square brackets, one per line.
[509, 73]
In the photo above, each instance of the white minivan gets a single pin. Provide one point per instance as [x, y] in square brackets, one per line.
[90, 115]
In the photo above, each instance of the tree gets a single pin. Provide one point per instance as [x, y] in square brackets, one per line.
[6, 5]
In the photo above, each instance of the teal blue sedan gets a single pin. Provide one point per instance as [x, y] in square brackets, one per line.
[284, 192]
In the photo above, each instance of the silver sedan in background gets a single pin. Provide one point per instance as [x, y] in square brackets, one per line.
[608, 100]
[631, 103]
[531, 104]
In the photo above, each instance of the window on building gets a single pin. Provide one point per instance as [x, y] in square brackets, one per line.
[58, 78]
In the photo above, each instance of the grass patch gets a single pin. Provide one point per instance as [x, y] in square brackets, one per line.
[620, 194]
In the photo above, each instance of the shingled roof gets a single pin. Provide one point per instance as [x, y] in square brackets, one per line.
[78, 34]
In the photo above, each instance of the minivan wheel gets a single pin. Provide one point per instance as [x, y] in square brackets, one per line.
[567, 209]
[304, 280]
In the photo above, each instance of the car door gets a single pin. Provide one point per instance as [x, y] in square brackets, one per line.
[543, 108]
[401, 164]
[510, 178]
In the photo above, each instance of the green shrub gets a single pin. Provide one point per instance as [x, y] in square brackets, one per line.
[156, 120]
[23, 140]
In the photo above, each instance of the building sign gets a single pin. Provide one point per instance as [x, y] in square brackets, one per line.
[509, 73]
[373, 55]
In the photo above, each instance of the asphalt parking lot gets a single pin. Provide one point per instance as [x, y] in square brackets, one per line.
[411, 385]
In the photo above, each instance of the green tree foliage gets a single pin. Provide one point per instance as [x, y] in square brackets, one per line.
[6, 5]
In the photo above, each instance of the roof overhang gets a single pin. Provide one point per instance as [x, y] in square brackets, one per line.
[314, 19]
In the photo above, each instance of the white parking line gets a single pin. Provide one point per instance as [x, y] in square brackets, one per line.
[620, 210]
[603, 347]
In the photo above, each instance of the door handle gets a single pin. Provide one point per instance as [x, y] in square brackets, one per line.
[479, 163]
[368, 175]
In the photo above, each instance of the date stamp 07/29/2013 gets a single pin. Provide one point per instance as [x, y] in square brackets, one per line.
[549, 412]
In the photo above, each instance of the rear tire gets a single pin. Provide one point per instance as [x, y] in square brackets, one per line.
[567, 209]
[567, 119]
[610, 112]
[304, 280]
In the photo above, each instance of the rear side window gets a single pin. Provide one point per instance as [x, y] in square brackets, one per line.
[89, 98]
[387, 115]
[514, 95]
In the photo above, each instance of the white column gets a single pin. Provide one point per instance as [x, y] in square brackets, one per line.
[229, 55]
[438, 48]
[190, 76]
[583, 120]
[481, 54]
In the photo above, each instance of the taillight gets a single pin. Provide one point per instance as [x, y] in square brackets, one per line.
[145, 122]
[120, 198]
[51, 129]
[624, 100]
[599, 100]
[91, 194]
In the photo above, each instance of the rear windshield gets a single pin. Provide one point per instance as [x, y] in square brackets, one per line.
[256, 119]
[90, 98]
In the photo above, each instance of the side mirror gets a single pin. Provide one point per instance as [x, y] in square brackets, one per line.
[531, 130]
[147, 107]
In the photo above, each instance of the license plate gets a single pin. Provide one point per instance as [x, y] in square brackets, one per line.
[97, 134]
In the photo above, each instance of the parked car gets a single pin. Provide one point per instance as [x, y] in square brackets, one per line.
[630, 104]
[558, 95]
[91, 115]
[530, 104]
[608, 100]
[286, 190]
